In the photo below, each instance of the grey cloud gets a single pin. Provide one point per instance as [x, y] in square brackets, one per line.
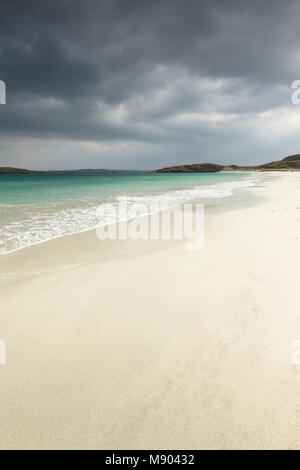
[127, 70]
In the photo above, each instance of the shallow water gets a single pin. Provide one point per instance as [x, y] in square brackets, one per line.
[37, 208]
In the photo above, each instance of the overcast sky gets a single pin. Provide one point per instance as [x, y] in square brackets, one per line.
[136, 84]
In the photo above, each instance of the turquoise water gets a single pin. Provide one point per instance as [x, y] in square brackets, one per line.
[37, 208]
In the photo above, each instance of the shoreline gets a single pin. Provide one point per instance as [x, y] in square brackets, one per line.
[207, 202]
[85, 247]
[158, 347]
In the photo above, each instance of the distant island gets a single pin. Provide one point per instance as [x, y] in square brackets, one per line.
[288, 163]
[16, 171]
[85, 171]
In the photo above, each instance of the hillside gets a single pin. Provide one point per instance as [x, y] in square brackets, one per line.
[16, 171]
[291, 163]
[286, 164]
[194, 168]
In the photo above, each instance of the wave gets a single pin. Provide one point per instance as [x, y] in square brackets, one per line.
[46, 224]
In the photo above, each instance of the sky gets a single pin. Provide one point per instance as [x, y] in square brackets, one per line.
[144, 84]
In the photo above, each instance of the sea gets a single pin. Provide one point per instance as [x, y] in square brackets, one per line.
[36, 208]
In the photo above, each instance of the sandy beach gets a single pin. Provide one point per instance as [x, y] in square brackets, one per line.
[150, 346]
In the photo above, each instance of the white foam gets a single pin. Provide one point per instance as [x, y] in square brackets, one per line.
[47, 224]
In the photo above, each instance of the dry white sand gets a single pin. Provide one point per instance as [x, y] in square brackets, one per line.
[159, 348]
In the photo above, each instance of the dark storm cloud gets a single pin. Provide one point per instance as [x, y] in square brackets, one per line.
[168, 72]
